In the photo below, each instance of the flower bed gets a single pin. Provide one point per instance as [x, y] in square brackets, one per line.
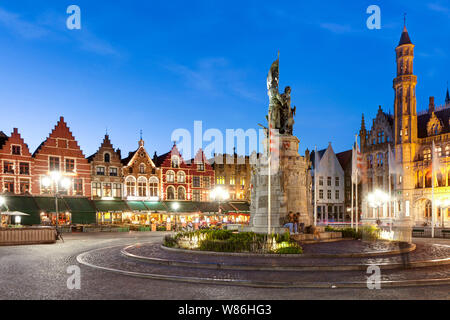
[231, 241]
[365, 232]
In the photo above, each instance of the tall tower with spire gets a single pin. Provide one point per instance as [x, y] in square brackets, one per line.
[405, 92]
[362, 134]
[405, 116]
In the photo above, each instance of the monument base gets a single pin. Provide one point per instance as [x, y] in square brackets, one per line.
[289, 188]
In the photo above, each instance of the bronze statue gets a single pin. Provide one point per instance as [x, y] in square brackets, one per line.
[281, 115]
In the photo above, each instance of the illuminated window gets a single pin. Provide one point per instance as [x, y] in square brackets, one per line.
[170, 193]
[170, 176]
[220, 180]
[142, 187]
[153, 187]
[181, 193]
[181, 177]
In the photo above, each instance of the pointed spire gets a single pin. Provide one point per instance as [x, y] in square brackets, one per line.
[404, 39]
[363, 124]
[447, 97]
[141, 142]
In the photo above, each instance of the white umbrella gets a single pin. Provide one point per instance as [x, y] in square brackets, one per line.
[14, 213]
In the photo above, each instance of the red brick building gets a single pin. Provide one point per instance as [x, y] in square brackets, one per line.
[182, 181]
[16, 164]
[60, 152]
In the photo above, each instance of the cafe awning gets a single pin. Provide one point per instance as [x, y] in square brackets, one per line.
[137, 206]
[82, 210]
[47, 204]
[155, 206]
[111, 206]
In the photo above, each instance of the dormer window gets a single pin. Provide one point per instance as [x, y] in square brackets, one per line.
[107, 158]
[200, 166]
[142, 168]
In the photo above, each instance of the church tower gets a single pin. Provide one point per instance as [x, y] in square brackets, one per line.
[405, 120]
[405, 93]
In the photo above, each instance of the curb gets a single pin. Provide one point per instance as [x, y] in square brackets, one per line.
[303, 255]
[261, 284]
[347, 267]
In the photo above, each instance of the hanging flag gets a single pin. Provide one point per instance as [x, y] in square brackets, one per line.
[274, 149]
[357, 163]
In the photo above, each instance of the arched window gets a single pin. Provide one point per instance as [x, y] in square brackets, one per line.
[107, 157]
[419, 181]
[181, 193]
[369, 161]
[447, 150]
[131, 186]
[379, 160]
[181, 177]
[170, 193]
[175, 162]
[439, 179]
[427, 213]
[153, 187]
[142, 187]
[170, 176]
[428, 179]
[142, 168]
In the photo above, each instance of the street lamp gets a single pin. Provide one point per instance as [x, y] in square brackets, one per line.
[57, 180]
[376, 199]
[175, 207]
[219, 194]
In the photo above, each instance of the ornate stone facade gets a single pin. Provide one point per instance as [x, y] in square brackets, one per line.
[410, 134]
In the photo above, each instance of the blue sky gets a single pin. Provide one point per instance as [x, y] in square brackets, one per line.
[161, 65]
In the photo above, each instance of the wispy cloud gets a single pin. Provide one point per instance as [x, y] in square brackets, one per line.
[215, 76]
[19, 26]
[336, 28]
[439, 8]
[53, 26]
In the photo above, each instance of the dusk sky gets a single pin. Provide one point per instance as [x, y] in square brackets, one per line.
[161, 65]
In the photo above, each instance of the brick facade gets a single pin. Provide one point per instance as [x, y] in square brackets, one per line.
[16, 164]
[60, 152]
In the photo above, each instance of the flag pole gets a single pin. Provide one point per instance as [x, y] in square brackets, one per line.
[433, 153]
[352, 178]
[389, 181]
[356, 183]
[269, 203]
[315, 186]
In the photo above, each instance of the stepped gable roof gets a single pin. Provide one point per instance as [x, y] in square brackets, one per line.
[61, 130]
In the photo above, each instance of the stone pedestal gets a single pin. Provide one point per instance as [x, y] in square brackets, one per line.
[290, 188]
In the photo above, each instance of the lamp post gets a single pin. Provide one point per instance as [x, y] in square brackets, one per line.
[219, 194]
[57, 180]
[376, 199]
[175, 207]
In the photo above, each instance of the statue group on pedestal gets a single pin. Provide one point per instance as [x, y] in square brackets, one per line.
[281, 115]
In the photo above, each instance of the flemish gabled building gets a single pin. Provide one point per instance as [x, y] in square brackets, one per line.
[175, 176]
[410, 134]
[16, 164]
[60, 152]
[106, 171]
[233, 172]
[141, 176]
[202, 174]
[183, 181]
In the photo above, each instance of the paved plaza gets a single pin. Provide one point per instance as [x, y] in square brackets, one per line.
[40, 272]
